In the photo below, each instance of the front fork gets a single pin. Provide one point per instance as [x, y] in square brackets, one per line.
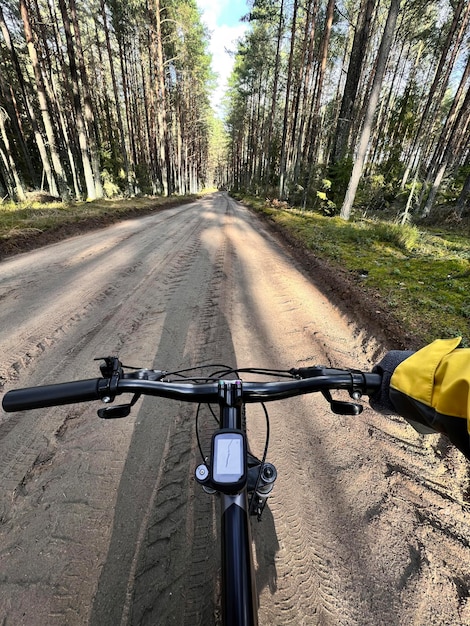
[261, 479]
[239, 597]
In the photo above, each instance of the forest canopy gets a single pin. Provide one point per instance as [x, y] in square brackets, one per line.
[367, 102]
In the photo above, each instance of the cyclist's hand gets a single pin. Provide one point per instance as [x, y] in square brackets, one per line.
[430, 389]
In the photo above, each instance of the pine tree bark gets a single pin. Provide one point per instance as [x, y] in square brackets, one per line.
[8, 97]
[310, 150]
[268, 145]
[87, 103]
[59, 68]
[345, 119]
[382, 57]
[162, 126]
[455, 139]
[441, 76]
[285, 126]
[77, 105]
[29, 109]
[11, 177]
[122, 137]
[43, 104]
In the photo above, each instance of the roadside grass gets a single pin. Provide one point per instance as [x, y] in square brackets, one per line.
[421, 275]
[32, 217]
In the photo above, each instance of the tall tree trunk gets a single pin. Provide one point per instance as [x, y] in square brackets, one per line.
[441, 77]
[87, 103]
[15, 190]
[29, 109]
[122, 137]
[302, 92]
[62, 111]
[268, 145]
[455, 139]
[43, 104]
[323, 61]
[312, 139]
[162, 125]
[77, 105]
[384, 50]
[435, 170]
[8, 97]
[345, 119]
[284, 147]
[107, 130]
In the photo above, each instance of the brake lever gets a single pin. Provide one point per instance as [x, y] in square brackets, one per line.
[342, 408]
[118, 411]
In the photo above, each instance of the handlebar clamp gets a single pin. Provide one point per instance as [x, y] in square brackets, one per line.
[111, 370]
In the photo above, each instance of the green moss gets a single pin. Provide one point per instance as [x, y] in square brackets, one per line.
[423, 276]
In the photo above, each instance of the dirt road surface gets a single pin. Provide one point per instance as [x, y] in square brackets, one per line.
[101, 522]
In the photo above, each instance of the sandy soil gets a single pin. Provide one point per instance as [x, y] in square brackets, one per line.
[102, 523]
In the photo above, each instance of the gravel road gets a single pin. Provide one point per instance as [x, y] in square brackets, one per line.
[101, 522]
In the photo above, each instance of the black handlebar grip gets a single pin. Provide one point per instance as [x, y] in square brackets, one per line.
[51, 395]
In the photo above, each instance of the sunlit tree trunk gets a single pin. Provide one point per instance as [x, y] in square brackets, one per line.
[87, 103]
[160, 91]
[302, 98]
[285, 126]
[269, 136]
[11, 177]
[43, 104]
[29, 109]
[384, 50]
[57, 67]
[345, 119]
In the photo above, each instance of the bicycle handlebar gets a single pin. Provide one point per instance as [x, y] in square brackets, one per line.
[51, 395]
[311, 380]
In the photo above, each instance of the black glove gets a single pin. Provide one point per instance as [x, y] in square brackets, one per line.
[380, 401]
[430, 389]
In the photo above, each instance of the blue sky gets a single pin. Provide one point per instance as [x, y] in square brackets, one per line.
[222, 17]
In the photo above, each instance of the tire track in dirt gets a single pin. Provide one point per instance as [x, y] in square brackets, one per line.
[430, 481]
[187, 592]
[212, 344]
[368, 523]
[174, 521]
[137, 319]
[306, 589]
[56, 315]
[368, 549]
[124, 314]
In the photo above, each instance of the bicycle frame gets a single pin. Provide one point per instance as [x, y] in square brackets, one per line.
[239, 599]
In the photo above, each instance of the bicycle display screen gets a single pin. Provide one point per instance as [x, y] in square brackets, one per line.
[228, 459]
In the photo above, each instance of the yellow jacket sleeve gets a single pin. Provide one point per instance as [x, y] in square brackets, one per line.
[432, 387]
